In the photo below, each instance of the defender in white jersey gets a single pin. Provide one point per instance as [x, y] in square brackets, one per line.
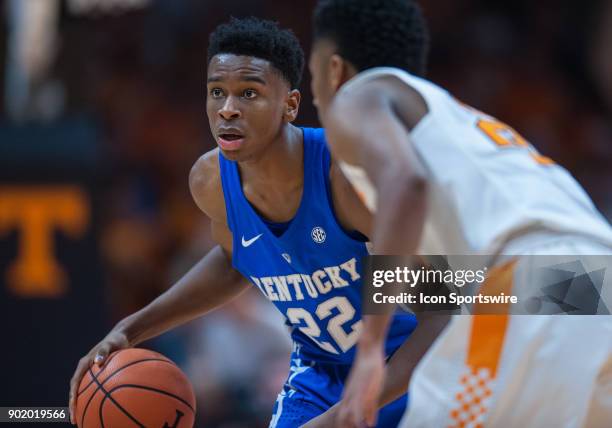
[466, 183]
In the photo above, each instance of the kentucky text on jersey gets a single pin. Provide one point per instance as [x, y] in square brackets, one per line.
[322, 281]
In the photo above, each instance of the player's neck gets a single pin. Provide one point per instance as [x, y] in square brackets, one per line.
[280, 162]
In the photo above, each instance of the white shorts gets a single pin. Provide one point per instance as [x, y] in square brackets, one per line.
[518, 371]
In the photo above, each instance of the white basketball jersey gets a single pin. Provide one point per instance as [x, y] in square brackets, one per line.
[487, 185]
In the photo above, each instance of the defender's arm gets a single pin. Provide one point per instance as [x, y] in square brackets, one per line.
[365, 131]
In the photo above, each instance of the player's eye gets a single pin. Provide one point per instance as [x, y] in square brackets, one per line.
[216, 93]
[249, 94]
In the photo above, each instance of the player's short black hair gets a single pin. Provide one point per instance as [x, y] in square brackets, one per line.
[263, 39]
[375, 33]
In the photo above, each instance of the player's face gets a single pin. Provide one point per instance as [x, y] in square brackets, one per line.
[325, 75]
[248, 103]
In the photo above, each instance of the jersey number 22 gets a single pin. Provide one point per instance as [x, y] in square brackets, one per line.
[346, 312]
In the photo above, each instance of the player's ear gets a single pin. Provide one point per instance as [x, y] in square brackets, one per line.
[337, 71]
[293, 105]
[340, 71]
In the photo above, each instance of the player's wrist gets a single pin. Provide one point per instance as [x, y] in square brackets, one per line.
[370, 346]
[373, 335]
[126, 332]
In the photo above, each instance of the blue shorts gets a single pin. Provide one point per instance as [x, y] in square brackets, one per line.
[313, 387]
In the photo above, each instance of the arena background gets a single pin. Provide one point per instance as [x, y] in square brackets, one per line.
[103, 115]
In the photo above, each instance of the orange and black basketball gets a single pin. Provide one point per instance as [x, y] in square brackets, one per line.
[135, 388]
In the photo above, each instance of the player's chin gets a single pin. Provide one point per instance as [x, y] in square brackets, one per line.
[235, 155]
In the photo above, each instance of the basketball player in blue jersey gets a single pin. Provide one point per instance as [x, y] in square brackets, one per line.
[286, 221]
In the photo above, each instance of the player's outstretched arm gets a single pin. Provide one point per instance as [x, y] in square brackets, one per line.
[210, 283]
[364, 130]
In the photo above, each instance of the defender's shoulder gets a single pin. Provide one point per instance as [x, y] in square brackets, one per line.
[378, 96]
[377, 90]
[205, 185]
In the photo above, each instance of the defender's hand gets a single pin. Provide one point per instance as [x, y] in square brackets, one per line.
[114, 341]
[359, 405]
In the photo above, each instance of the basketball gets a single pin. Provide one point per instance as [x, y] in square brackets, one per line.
[135, 388]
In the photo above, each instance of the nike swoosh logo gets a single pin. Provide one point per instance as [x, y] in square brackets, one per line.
[250, 241]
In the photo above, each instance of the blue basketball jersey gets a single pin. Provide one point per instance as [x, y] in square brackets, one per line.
[312, 270]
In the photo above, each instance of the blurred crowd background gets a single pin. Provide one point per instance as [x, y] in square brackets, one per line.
[111, 94]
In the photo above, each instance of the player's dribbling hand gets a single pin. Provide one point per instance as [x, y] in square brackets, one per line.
[359, 405]
[114, 341]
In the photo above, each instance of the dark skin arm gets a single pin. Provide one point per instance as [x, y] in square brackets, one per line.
[365, 128]
[353, 215]
[398, 371]
[209, 284]
[403, 362]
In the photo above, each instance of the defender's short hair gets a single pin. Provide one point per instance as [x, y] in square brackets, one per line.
[375, 33]
[261, 39]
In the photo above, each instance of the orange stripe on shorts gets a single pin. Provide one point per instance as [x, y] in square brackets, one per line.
[488, 331]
